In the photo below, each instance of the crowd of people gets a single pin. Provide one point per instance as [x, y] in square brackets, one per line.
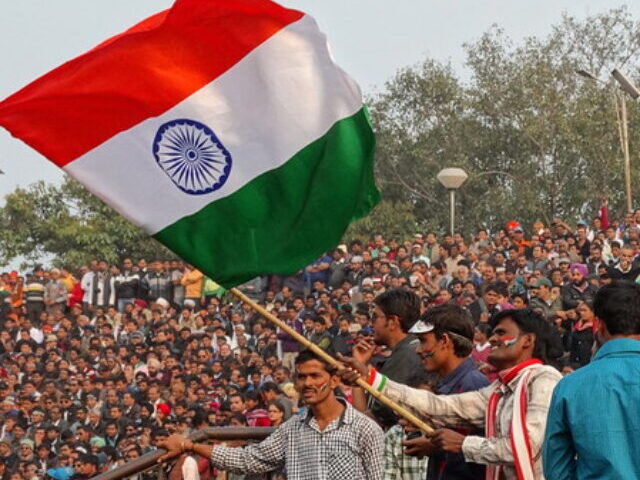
[103, 364]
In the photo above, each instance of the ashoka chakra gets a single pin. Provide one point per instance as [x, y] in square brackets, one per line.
[192, 156]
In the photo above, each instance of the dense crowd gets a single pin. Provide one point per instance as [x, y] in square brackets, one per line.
[101, 364]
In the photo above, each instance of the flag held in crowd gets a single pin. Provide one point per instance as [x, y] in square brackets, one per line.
[222, 127]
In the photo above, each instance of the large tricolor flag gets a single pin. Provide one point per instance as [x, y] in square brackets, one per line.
[222, 127]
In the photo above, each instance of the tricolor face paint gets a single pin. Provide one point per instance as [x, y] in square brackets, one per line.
[427, 354]
[508, 341]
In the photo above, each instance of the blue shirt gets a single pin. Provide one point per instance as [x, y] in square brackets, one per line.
[593, 427]
[452, 466]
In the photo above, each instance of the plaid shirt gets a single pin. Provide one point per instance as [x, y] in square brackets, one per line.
[398, 465]
[350, 447]
[470, 408]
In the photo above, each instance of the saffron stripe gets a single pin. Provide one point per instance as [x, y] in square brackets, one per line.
[138, 75]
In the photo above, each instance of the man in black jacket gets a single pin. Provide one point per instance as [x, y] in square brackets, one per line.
[127, 284]
[579, 290]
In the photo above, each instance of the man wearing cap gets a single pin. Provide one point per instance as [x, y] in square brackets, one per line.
[417, 255]
[355, 272]
[542, 300]
[579, 289]
[519, 240]
[26, 453]
[446, 335]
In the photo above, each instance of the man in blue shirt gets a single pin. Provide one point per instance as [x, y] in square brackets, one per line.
[593, 428]
[446, 333]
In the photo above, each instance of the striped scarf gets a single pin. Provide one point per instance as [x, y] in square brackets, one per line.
[518, 434]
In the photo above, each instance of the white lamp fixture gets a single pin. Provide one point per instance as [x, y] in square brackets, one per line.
[452, 179]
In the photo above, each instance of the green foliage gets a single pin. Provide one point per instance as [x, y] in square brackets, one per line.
[537, 140]
[391, 219]
[70, 225]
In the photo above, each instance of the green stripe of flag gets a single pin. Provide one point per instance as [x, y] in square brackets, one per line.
[287, 217]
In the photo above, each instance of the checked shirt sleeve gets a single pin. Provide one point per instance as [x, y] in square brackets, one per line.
[255, 459]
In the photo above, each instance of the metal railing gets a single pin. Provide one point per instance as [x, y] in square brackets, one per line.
[150, 460]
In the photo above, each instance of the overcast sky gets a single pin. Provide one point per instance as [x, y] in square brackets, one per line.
[370, 39]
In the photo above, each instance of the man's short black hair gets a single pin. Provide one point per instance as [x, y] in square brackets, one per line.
[454, 321]
[270, 386]
[403, 303]
[307, 355]
[531, 321]
[500, 288]
[618, 306]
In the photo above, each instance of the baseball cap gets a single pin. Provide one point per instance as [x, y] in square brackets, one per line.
[421, 327]
[542, 281]
[356, 259]
[563, 260]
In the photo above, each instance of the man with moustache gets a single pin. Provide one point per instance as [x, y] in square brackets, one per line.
[446, 334]
[332, 441]
[513, 409]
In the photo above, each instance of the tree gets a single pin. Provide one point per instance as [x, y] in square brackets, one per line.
[391, 219]
[70, 225]
[537, 140]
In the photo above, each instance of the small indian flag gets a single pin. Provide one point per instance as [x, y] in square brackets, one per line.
[222, 127]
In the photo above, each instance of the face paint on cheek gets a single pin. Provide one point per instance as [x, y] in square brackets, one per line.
[508, 341]
[323, 387]
[427, 354]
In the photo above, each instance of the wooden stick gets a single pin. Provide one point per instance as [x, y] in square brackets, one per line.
[403, 412]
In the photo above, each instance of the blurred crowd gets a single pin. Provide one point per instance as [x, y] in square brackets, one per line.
[102, 362]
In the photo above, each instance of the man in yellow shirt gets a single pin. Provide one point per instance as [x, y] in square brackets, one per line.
[192, 282]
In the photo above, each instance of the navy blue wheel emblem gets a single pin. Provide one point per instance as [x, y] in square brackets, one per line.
[192, 156]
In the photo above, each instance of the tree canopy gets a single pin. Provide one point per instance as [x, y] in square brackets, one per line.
[537, 140]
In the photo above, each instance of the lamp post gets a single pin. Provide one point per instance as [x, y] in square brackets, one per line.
[452, 179]
[628, 87]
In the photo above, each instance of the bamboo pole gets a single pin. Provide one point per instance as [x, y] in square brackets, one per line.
[149, 460]
[403, 412]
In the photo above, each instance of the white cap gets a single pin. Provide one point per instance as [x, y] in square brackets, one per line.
[421, 327]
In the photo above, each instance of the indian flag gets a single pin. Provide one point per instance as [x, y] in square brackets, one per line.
[222, 127]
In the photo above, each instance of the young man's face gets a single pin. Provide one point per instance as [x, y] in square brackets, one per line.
[508, 343]
[314, 383]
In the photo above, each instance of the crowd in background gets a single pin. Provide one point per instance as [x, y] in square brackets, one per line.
[102, 362]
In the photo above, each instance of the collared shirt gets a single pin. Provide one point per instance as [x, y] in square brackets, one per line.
[397, 464]
[593, 430]
[470, 408]
[350, 447]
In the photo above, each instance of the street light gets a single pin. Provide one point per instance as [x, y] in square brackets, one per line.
[452, 179]
[628, 87]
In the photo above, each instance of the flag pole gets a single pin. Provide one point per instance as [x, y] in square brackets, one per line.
[403, 412]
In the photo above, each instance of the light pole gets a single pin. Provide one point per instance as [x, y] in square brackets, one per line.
[452, 179]
[628, 87]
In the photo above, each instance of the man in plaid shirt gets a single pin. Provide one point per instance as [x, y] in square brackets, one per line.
[332, 442]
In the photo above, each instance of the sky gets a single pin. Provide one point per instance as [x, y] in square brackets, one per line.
[370, 39]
